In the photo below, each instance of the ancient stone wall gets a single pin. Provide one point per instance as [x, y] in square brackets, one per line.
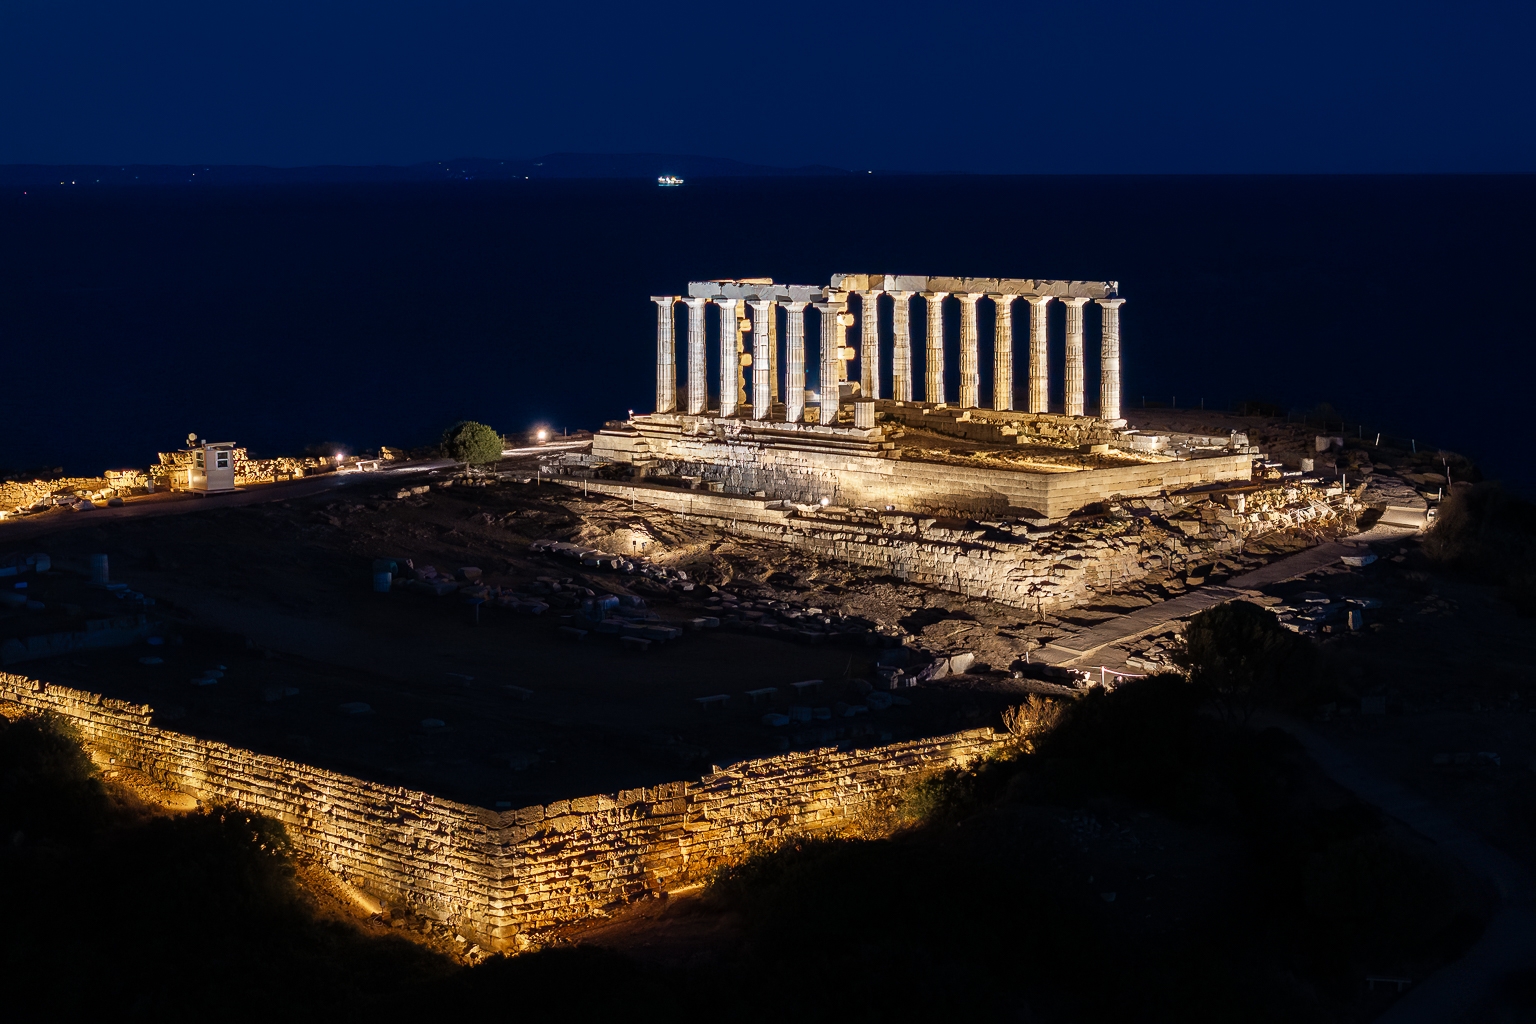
[20, 495]
[170, 472]
[1046, 571]
[494, 875]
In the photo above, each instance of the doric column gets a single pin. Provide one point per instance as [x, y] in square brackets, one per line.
[970, 356]
[762, 320]
[1039, 363]
[698, 373]
[1002, 352]
[933, 392]
[834, 321]
[730, 356]
[1072, 365]
[1109, 361]
[901, 347]
[869, 350]
[666, 354]
[773, 352]
[794, 361]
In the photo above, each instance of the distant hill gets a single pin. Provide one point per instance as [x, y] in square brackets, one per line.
[555, 165]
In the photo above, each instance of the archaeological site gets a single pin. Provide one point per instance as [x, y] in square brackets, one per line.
[497, 701]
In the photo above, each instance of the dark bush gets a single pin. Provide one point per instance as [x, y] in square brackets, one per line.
[473, 443]
[1239, 656]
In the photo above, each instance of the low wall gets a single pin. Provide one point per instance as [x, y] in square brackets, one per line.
[19, 495]
[495, 874]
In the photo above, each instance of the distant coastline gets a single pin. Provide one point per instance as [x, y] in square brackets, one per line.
[649, 166]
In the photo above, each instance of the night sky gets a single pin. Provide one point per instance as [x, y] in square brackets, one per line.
[1118, 87]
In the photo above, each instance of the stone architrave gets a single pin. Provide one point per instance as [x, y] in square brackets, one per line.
[1002, 352]
[869, 350]
[762, 392]
[901, 346]
[1072, 363]
[933, 391]
[831, 357]
[698, 372]
[1039, 360]
[794, 361]
[666, 354]
[970, 355]
[1109, 362]
[730, 356]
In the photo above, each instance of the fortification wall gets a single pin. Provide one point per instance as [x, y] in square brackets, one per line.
[494, 875]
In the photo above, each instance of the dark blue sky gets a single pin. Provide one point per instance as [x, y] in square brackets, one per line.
[1296, 86]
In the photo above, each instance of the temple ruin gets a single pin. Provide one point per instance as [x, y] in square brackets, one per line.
[763, 433]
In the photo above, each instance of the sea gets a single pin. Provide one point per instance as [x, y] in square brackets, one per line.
[298, 317]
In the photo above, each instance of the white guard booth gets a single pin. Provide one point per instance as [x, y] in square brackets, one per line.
[213, 467]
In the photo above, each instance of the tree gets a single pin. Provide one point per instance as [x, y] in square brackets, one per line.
[472, 443]
[1241, 656]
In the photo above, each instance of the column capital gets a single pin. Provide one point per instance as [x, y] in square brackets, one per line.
[726, 302]
[831, 307]
[933, 296]
[969, 297]
[795, 305]
[760, 305]
[1037, 300]
[693, 301]
[1000, 299]
[1110, 303]
[871, 293]
[898, 294]
[1074, 301]
[664, 300]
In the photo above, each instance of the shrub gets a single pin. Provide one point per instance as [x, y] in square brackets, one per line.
[1240, 656]
[473, 443]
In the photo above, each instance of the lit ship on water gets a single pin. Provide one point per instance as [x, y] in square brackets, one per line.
[669, 180]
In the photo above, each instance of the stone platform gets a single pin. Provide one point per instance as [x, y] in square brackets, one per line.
[916, 458]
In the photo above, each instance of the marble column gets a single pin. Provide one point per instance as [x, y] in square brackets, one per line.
[901, 348]
[933, 391]
[773, 353]
[762, 367]
[698, 373]
[1109, 361]
[1072, 365]
[1039, 363]
[794, 361]
[666, 354]
[1002, 352]
[970, 354]
[869, 350]
[730, 357]
[832, 327]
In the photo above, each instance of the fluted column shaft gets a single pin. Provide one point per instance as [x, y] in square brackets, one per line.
[698, 373]
[869, 350]
[666, 354]
[933, 391]
[1072, 365]
[1109, 360]
[832, 328]
[901, 347]
[773, 352]
[794, 361]
[1039, 361]
[730, 356]
[1002, 352]
[762, 318]
[970, 353]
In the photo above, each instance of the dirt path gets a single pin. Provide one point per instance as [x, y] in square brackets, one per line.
[1508, 944]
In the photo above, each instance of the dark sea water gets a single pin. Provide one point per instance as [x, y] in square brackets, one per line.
[286, 316]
